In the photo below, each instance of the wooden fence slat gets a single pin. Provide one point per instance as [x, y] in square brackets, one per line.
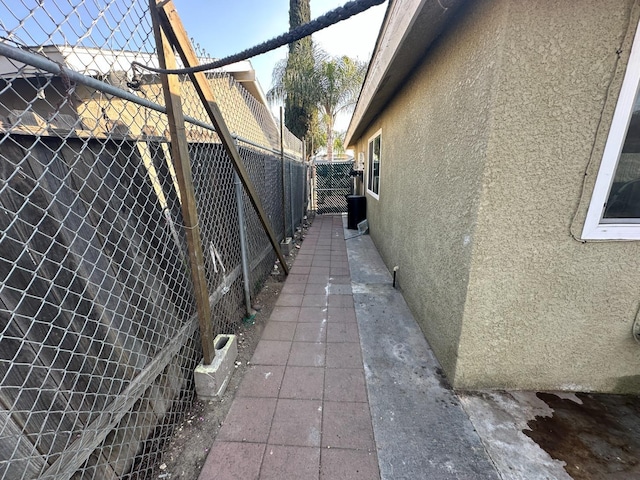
[120, 185]
[13, 445]
[76, 259]
[126, 438]
[94, 434]
[85, 256]
[62, 382]
[31, 341]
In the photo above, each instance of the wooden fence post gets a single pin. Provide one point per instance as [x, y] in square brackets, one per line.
[182, 166]
[177, 36]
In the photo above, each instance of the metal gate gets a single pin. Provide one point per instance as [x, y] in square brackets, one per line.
[333, 183]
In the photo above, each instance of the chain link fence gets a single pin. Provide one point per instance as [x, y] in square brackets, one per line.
[98, 327]
[332, 182]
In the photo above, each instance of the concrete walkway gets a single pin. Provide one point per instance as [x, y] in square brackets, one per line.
[304, 409]
[421, 429]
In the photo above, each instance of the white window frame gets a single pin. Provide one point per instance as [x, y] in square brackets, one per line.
[369, 171]
[594, 229]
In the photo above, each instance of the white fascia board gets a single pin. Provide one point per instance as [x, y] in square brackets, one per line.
[99, 61]
[398, 22]
[244, 73]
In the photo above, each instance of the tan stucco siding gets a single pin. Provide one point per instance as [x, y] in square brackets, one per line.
[434, 137]
[545, 311]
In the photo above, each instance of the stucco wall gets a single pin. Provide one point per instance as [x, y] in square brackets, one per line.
[434, 138]
[483, 193]
[545, 311]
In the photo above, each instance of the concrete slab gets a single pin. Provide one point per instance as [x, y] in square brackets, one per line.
[365, 263]
[297, 423]
[211, 380]
[290, 463]
[500, 418]
[558, 435]
[338, 464]
[421, 430]
[347, 425]
[233, 460]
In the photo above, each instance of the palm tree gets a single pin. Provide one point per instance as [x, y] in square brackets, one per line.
[317, 81]
[340, 80]
[293, 83]
[338, 142]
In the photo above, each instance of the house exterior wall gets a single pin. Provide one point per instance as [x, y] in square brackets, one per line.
[431, 171]
[484, 155]
[545, 311]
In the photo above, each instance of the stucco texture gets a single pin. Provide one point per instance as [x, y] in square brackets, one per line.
[545, 311]
[484, 154]
[434, 139]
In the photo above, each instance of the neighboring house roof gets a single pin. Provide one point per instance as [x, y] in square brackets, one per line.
[101, 62]
[408, 29]
[322, 159]
[36, 107]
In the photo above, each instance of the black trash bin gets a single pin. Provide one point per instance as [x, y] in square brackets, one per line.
[356, 210]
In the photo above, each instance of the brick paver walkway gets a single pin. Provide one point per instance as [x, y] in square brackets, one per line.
[301, 411]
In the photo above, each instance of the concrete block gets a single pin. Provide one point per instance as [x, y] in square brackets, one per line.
[211, 380]
[286, 246]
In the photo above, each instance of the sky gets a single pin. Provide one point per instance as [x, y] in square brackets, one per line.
[220, 27]
[226, 27]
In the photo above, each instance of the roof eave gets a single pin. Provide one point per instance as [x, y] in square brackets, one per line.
[408, 29]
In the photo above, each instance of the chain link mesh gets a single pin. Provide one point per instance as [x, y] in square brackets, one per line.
[332, 184]
[98, 327]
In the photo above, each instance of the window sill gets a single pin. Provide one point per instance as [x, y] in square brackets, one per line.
[622, 231]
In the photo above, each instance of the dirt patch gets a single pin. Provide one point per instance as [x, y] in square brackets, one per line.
[184, 456]
[598, 439]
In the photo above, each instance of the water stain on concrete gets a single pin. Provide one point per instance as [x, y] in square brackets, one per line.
[442, 379]
[626, 385]
[597, 439]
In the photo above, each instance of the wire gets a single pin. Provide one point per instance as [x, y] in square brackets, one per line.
[330, 18]
[583, 187]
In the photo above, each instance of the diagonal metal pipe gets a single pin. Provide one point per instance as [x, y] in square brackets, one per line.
[43, 63]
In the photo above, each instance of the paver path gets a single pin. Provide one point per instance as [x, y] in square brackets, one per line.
[301, 411]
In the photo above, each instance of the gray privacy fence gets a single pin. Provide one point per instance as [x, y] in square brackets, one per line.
[98, 325]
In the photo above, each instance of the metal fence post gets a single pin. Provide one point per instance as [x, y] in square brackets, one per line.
[314, 188]
[293, 217]
[305, 181]
[243, 245]
[284, 187]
